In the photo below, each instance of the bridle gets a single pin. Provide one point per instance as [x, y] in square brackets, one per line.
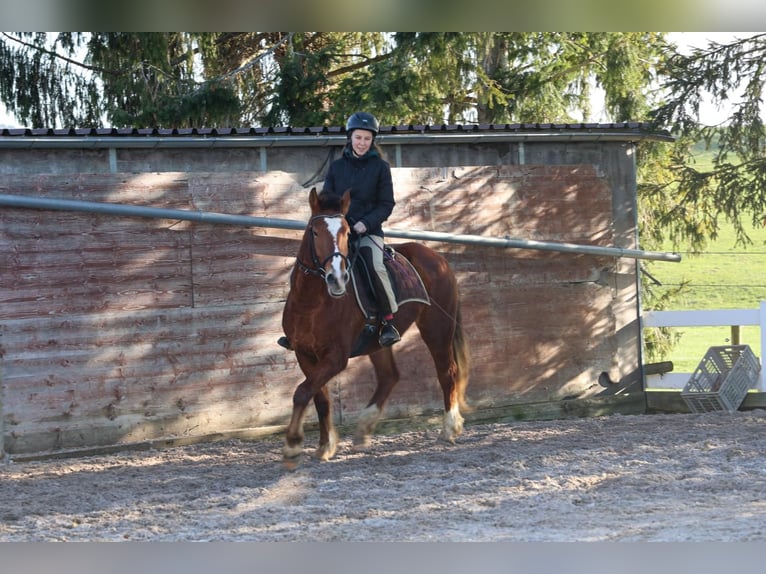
[318, 269]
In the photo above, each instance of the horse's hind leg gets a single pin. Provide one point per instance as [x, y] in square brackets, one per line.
[450, 355]
[452, 423]
[387, 376]
[328, 437]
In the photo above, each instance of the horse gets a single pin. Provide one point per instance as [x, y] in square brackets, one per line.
[322, 320]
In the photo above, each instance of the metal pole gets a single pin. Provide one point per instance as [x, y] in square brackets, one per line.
[251, 221]
[150, 212]
[532, 244]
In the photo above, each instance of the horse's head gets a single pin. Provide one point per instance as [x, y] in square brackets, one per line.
[328, 234]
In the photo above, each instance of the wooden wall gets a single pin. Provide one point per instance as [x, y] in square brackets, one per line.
[117, 330]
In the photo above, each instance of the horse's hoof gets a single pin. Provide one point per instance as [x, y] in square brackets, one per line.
[290, 464]
[362, 442]
[326, 451]
[447, 438]
[291, 456]
[452, 427]
[324, 454]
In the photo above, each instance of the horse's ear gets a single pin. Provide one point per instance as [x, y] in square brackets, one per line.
[314, 200]
[345, 201]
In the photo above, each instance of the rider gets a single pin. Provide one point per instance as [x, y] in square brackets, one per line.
[362, 170]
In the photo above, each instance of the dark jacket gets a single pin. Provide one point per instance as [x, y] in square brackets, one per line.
[372, 189]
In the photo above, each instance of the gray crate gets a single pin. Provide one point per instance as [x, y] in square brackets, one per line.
[722, 379]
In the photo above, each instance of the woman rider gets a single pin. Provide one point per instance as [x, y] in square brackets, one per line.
[362, 170]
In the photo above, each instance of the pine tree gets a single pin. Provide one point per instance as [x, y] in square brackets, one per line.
[318, 78]
[690, 204]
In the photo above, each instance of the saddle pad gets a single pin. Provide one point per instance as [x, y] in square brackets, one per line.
[406, 281]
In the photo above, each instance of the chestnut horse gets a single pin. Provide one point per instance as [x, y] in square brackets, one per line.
[322, 320]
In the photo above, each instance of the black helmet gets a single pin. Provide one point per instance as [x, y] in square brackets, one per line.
[362, 120]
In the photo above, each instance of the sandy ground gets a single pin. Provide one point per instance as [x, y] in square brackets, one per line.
[680, 477]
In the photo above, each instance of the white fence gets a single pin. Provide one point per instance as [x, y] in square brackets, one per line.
[709, 318]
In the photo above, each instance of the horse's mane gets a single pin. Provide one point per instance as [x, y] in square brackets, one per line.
[329, 201]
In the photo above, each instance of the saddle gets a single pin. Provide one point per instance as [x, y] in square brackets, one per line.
[406, 282]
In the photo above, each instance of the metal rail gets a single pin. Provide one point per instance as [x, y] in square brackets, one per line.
[126, 210]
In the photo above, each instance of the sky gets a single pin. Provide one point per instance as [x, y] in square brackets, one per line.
[685, 40]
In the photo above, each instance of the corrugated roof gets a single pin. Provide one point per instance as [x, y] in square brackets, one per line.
[324, 130]
[27, 138]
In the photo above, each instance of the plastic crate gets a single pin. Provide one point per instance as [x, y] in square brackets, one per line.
[722, 379]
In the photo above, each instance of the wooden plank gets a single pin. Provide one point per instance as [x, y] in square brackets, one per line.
[168, 189]
[240, 266]
[627, 404]
[670, 401]
[659, 368]
[116, 377]
[72, 264]
[548, 206]
[632, 404]
[272, 194]
[706, 318]
[61, 262]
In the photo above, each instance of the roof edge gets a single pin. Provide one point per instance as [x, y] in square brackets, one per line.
[292, 136]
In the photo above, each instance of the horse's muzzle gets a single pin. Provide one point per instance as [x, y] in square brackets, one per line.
[336, 286]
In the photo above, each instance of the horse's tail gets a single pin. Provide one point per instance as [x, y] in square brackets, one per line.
[462, 361]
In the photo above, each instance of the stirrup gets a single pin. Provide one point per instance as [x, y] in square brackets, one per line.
[388, 335]
[284, 342]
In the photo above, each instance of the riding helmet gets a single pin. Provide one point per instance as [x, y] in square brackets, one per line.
[363, 121]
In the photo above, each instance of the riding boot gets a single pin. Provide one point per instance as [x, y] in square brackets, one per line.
[388, 334]
[285, 342]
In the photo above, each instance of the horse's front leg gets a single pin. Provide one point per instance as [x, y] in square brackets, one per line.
[293, 449]
[328, 437]
[317, 376]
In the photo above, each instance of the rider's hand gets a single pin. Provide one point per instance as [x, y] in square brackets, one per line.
[360, 228]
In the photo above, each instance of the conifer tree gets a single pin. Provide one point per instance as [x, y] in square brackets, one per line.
[689, 204]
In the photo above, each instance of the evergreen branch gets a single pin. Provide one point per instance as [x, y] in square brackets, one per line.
[246, 66]
[359, 65]
[58, 56]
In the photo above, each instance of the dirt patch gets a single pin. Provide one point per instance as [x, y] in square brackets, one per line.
[694, 477]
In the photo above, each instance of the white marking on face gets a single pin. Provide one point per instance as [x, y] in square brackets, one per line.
[334, 225]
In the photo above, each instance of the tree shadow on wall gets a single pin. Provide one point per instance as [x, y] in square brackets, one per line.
[121, 330]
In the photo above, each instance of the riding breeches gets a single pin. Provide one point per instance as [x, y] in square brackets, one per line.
[374, 245]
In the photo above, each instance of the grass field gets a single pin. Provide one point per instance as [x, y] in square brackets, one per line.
[723, 277]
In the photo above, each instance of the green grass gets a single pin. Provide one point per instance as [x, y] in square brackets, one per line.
[723, 277]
